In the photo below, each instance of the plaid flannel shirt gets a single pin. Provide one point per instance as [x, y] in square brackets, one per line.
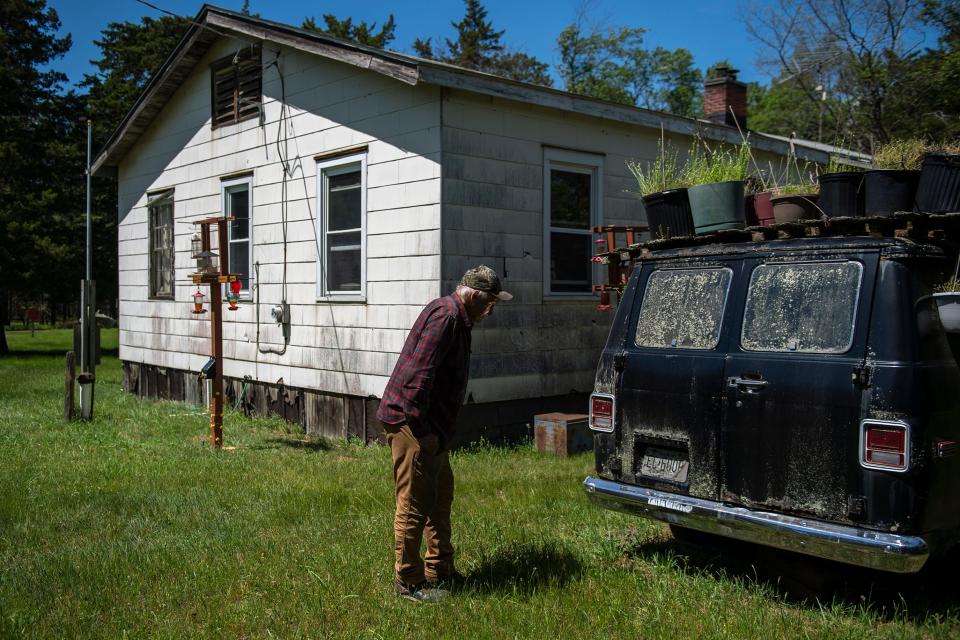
[429, 381]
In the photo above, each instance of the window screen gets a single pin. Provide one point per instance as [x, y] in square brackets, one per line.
[570, 215]
[238, 232]
[802, 307]
[161, 245]
[344, 222]
[683, 308]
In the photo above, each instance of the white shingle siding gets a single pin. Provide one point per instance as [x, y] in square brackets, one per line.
[342, 348]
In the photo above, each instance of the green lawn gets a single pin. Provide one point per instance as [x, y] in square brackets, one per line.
[131, 526]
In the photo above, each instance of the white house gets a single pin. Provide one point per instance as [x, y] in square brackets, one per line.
[363, 183]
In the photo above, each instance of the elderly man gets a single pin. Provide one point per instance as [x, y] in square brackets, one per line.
[419, 411]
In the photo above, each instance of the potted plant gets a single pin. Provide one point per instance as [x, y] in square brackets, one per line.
[938, 190]
[841, 190]
[891, 185]
[758, 208]
[947, 297]
[795, 202]
[716, 192]
[662, 187]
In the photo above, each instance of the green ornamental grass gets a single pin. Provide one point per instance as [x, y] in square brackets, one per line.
[130, 526]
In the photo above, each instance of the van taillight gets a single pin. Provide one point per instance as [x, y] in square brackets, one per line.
[885, 445]
[601, 412]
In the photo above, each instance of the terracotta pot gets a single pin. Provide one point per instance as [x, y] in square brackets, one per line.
[795, 207]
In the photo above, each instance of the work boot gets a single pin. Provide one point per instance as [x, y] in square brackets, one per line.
[420, 592]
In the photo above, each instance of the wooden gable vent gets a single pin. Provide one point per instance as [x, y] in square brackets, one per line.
[237, 85]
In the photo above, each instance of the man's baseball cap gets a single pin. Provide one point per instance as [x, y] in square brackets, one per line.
[483, 278]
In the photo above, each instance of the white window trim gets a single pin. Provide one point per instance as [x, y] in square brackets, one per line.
[579, 162]
[225, 187]
[323, 167]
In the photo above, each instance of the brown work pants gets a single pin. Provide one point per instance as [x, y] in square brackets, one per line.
[424, 494]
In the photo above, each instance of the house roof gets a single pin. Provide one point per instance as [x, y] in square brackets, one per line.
[213, 22]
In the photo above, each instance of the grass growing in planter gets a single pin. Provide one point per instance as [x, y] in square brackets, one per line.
[663, 174]
[718, 165]
[131, 526]
[906, 154]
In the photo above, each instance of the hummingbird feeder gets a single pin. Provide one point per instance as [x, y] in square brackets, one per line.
[198, 298]
[234, 296]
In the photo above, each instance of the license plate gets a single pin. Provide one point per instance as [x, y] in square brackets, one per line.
[664, 464]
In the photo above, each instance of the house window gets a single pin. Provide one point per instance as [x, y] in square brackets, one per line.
[160, 208]
[237, 205]
[237, 82]
[341, 265]
[571, 205]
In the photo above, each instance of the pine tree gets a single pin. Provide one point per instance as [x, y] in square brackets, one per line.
[478, 46]
[361, 33]
[32, 120]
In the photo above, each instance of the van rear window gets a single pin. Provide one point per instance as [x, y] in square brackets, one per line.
[802, 307]
[683, 308]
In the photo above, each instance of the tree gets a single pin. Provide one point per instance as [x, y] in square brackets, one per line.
[130, 54]
[858, 53]
[361, 33]
[34, 129]
[478, 46]
[611, 63]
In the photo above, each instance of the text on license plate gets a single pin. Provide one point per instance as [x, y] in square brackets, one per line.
[664, 464]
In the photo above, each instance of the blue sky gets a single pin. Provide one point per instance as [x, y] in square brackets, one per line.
[711, 30]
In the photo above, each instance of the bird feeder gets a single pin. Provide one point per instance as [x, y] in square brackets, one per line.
[198, 298]
[203, 255]
[234, 296]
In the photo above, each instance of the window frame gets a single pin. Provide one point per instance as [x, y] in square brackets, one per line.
[251, 54]
[853, 320]
[155, 199]
[576, 162]
[331, 167]
[228, 186]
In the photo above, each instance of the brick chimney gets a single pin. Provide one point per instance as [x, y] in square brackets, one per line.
[720, 93]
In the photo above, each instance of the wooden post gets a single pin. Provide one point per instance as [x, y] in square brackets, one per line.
[69, 378]
[216, 394]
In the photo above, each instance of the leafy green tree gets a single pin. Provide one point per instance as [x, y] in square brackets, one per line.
[611, 63]
[860, 55]
[35, 225]
[478, 46]
[361, 32]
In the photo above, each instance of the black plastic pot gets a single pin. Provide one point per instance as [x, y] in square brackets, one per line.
[668, 214]
[887, 191]
[939, 188]
[841, 194]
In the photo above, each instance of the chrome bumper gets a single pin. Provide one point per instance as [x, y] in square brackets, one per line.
[862, 547]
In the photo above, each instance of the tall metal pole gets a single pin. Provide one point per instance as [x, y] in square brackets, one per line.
[89, 227]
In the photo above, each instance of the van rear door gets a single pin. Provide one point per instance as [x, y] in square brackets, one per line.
[793, 387]
[670, 391]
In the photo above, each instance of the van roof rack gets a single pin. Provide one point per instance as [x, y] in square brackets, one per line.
[940, 230]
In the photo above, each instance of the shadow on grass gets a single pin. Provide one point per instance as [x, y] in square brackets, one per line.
[810, 581]
[295, 442]
[523, 568]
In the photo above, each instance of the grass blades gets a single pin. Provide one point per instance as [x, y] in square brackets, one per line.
[130, 526]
